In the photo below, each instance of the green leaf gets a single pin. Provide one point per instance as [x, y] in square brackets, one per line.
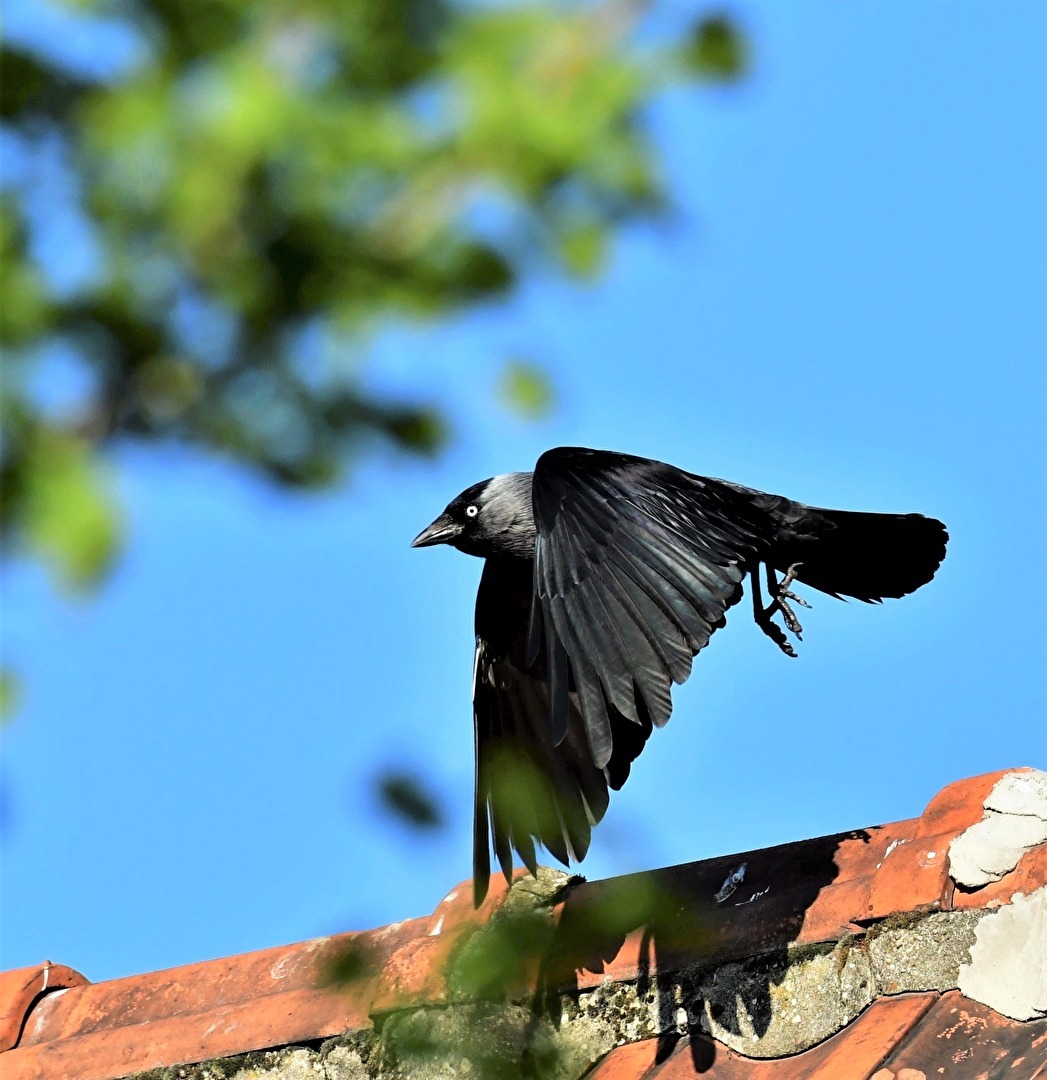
[25, 309]
[526, 390]
[69, 516]
[583, 248]
[406, 797]
[269, 175]
[10, 693]
[352, 960]
[717, 51]
[420, 430]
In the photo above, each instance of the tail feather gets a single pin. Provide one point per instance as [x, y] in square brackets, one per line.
[867, 556]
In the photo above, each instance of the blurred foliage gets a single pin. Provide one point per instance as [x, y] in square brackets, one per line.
[9, 691]
[257, 187]
[483, 1040]
[511, 976]
[406, 798]
[349, 962]
[66, 513]
[717, 50]
[502, 956]
[526, 390]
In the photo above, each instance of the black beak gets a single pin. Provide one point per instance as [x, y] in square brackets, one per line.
[442, 531]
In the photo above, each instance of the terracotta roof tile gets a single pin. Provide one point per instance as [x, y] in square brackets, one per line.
[1029, 875]
[208, 1010]
[21, 988]
[968, 1039]
[863, 1046]
[414, 974]
[814, 933]
[911, 1037]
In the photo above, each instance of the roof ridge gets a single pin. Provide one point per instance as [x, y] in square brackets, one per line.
[763, 953]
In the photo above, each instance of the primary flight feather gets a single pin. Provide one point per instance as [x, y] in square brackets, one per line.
[604, 575]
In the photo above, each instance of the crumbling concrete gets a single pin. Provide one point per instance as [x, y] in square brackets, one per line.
[1008, 966]
[347, 1058]
[767, 1006]
[1015, 819]
[781, 1007]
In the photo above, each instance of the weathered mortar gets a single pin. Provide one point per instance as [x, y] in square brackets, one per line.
[765, 1006]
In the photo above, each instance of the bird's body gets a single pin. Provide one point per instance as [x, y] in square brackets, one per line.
[605, 574]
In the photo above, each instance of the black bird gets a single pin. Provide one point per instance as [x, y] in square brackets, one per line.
[604, 575]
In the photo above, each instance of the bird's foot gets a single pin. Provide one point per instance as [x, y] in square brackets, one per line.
[775, 632]
[781, 598]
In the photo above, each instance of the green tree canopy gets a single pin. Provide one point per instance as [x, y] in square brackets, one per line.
[262, 186]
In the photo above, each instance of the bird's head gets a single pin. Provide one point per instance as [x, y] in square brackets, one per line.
[494, 517]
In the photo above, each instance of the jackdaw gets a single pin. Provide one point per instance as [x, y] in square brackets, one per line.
[604, 575]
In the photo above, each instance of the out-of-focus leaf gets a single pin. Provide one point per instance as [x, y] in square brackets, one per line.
[484, 1041]
[526, 390]
[406, 797]
[423, 430]
[25, 309]
[717, 50]
[10, 693]
[262, 174]
[352, 960]
[167, 386]
[495, 962]
[69, 516]
[583, 249]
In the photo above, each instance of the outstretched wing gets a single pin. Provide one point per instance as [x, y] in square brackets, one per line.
[527, 788]
[636, 564]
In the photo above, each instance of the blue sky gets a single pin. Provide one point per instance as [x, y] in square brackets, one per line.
[847, 308]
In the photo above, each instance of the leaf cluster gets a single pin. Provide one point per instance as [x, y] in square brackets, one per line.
[255, 188]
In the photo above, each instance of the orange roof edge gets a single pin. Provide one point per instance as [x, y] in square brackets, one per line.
[21, 988]
[825, 891]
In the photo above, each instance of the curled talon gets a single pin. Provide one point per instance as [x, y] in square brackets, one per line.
[780, 597]
[777, 635]
[764, 615]
[792, 623]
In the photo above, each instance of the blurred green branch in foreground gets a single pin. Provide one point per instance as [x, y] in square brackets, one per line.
[249, 190]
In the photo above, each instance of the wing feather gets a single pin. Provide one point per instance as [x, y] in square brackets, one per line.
[531, 789]
[636, 564]
[666, 635]
[585, 609]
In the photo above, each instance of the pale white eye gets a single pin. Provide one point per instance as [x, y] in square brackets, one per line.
[472, 511]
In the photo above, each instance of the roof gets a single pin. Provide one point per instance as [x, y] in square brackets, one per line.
[901, 951]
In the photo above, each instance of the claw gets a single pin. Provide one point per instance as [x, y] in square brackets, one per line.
[792, 623]
[780, 598]
[777, 635]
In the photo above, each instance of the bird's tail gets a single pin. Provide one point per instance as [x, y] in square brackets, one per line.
[867, 556]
